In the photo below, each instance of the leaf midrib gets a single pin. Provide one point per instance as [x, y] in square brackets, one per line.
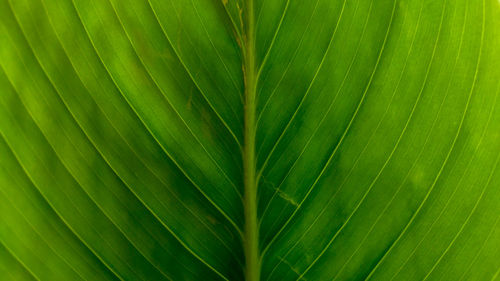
[251, 229]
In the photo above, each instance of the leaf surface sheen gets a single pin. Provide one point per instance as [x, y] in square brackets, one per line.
[249, 140]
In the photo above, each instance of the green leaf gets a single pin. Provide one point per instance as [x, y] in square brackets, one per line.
[249, 140]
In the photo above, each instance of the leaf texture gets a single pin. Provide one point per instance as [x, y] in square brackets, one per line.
[249, 140]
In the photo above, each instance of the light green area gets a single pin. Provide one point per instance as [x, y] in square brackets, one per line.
[249, 140]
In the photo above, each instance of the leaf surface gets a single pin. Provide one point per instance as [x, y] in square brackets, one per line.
[249, 140]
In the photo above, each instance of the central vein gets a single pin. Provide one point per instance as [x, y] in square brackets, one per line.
[251, 230]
